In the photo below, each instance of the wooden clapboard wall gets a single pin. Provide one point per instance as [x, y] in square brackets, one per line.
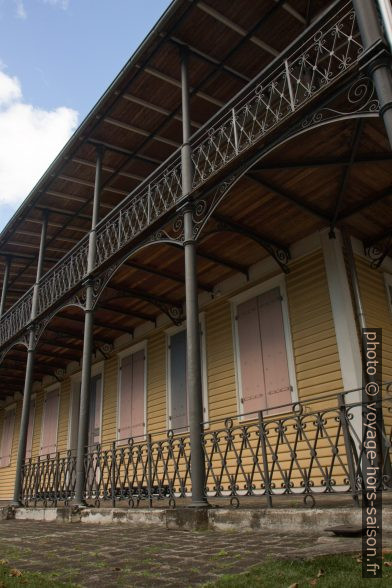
[314, 346]
[377, 311]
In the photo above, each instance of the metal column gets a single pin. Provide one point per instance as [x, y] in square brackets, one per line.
[5, 284]
[87, 343]
[28, 385]
[376, 58]
[194, 377]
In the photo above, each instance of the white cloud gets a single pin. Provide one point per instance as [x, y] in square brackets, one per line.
[20, 9]
[30, 138]
[61, 3]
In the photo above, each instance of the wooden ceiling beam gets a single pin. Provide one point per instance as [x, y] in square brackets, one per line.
[289, 197]
[97, 323]
[365, 204]
[89, 184]
[237, 267]
[156, 108]
[127, 312]
[141, 295]
[165, 274]
[378, 238]
[138, 131]
[207, 58]
[332, 162]
[107, 168]
[174, 82]
[127, 152]
[237, 28]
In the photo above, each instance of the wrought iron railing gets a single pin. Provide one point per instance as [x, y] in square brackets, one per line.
[49, 479]
[304, 450]
[314, 62]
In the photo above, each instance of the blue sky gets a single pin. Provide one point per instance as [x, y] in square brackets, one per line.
[56, 59]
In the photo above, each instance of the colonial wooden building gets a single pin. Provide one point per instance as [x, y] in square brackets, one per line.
[184, 289]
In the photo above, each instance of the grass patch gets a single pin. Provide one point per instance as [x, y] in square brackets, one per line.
[330, 571]
[219, 554]
[10, 577]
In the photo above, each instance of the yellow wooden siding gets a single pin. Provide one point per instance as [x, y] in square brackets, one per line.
[63, 423]
[7, 474]
[316, 355]
[222, 397]
[156, 383]
[314, 346]
[376, 308]
[109, 401]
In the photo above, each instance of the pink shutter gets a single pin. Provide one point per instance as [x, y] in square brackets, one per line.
[137, 416]
[125, 400]
[7, 437]
[276, 372]
[30, 429]
[250, 357]
[50, 421]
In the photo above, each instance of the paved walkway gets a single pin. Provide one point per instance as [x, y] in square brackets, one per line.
[123, 555]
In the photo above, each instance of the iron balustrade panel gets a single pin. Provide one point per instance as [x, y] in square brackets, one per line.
[148, 204]
[301, 75]
[62, 278]
[297, 453]
[311, 65]
[133, 470]
[16, 318]
[49, 479]
[305, 449]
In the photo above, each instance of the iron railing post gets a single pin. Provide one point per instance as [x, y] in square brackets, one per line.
[235, 130]
[113, 474]
[348, 443]
[267, 481]
[28, 384]
[290, 88]
[36, 481]
[149, 468]
[194, 378]
[57, 479]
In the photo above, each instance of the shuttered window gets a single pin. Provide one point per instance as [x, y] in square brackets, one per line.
[30, 429]
[178, 402]
[131, 396]
[95, 412]
[7, 437]
[49, 423]
[178, 418]
[262, 357]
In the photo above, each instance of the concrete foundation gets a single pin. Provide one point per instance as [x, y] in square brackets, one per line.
[216, 519]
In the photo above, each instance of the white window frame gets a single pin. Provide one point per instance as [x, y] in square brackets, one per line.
[49, 390]
[276, 282]
[173, 331]
[120, 356]
[7, 409]
[388, 284]
[96, 370]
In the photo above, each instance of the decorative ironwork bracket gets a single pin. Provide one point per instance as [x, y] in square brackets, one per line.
[378, 254]
[280, 253]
